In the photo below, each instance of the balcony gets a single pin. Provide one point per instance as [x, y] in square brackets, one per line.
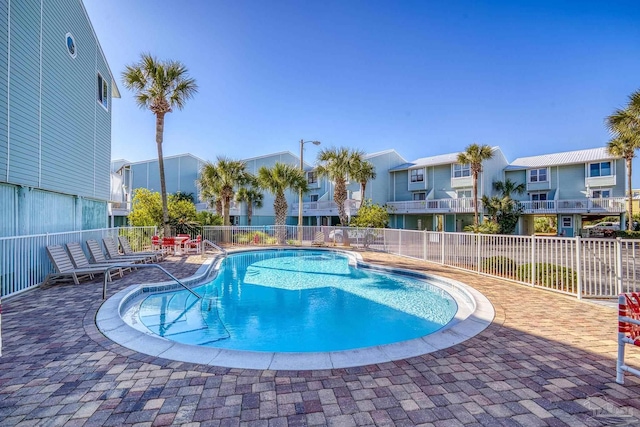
[614, 205]
[325, 208]
[461, 205]
[120, 209]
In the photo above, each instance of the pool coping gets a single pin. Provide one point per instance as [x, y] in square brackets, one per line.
[467, 323]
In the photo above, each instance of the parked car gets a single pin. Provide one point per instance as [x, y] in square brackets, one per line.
[607, 228]
[362, 234]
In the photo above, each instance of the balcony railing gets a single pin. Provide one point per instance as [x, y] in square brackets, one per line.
[465, 205]
[462, 205]
[325, 208]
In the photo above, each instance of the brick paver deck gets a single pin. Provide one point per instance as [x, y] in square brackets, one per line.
[546, 360]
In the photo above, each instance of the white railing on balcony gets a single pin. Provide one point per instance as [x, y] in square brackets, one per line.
[461, 205]
[325, 207]
[608, 205]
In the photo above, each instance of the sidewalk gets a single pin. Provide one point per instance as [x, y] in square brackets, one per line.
[546, 360]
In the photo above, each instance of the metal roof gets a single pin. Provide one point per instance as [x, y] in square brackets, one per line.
[557, 159]
[442, 159]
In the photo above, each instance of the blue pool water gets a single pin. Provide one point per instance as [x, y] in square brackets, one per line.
[298, 301]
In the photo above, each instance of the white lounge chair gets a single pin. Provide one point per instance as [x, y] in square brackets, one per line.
[65, 269]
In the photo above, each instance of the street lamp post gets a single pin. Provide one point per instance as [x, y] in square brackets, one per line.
[302, 142]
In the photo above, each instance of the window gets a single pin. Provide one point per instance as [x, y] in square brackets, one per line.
[419, 196]
[538, 175]
[103, 92]
[601, 194]
[460, 171]
[600, 169]
[539, 197]
[464, 194]
[417, 175]
[567, 222]
[313, 198]
[71, 45]
[312, 177]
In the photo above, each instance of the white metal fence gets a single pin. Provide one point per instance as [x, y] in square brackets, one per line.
[585, 268]
[589, 268]
[24, 262]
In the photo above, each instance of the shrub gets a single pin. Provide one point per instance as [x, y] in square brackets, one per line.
[549, 275]
[623, 234]
[499, 265]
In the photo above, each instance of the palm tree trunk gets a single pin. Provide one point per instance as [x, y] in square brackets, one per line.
[363, 187]
[280, 206]
[249, 212]
[163, 184]
[226, 200]
[475, 199]
[630, 195]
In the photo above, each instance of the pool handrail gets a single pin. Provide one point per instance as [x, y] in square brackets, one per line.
[104, 285]
[210, 243]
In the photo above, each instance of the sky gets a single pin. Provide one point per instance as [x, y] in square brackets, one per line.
[421, 77]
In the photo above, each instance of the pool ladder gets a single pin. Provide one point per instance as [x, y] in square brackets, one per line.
[106, 276]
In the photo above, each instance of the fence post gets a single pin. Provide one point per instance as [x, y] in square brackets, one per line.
[400, 243]
[579, 265]
[424, 244]
[477, 237]
[442, 247]
[619, 264]
[533, 260]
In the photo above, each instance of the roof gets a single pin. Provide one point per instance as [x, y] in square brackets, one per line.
[557, 159]
[168, 157]
[442, 159]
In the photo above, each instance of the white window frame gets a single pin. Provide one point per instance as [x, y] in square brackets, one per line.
[418, 174]
[73, 41]
[546, 197]
[461, 171]
[537, 175]
[312, 196]
[312, 177]
[103, 92]
[461, 194]
[600, 190]
[600, 168]
[565, 223]
[422, 193]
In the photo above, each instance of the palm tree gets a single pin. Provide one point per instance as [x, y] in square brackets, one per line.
[339, 165]
[160, 87]
[624, 125]
[473, 156]
[507, 187]
[277, 180]
[363, 172]
[253, 197]
[209, 187]
[221, 179]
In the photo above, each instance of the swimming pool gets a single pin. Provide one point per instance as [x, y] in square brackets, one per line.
[299, 301]
[118, 319]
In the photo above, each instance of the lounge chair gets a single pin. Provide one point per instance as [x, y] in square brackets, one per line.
[65, 269]
[111, 246]
[80, 260]
[98, 256]
[128, 251]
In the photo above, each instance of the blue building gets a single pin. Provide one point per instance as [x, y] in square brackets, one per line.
[435, 193]
[56, 90]
[569, 187]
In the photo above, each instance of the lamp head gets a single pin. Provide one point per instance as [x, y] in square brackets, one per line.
[315, 142]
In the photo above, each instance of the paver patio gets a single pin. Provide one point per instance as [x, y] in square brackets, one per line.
[546, 360]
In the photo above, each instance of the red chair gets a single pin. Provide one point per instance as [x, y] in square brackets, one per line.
[155, 243]
[194, 244]
[169, 244]
[628, 331]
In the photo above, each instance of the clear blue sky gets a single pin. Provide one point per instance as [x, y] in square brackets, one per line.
[423, 77]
